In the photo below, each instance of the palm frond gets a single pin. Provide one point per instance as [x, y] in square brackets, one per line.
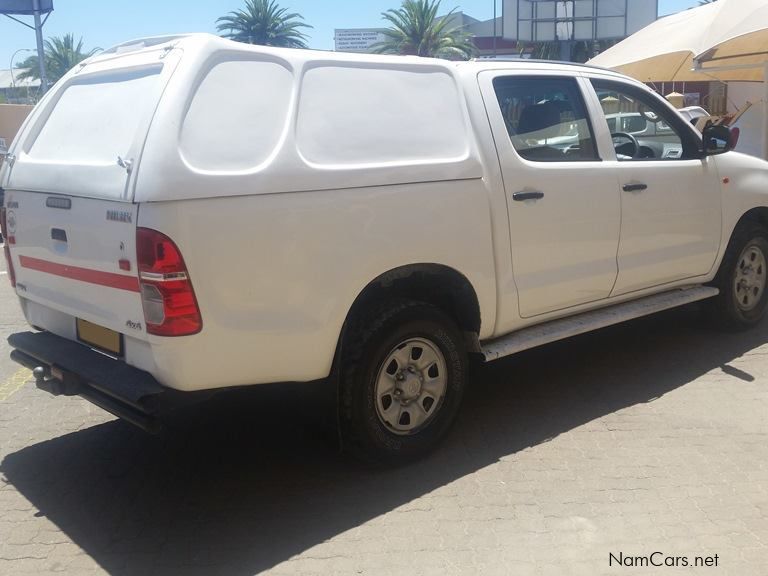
[62, 54]
[416, 29]
[264, 22]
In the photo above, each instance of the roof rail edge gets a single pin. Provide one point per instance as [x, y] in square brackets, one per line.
[141, 43]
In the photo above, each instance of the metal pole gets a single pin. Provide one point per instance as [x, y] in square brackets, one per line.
[40, 49]
[765, 111]
[13, 79]
[13, 57]
[494, 29]
[569, 22]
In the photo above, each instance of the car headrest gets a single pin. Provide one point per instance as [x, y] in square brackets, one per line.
[542, 119]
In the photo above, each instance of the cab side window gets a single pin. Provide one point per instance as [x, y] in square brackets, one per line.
[641, 127]
[546, 118]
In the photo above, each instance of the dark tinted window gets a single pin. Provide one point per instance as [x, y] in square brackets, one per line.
[546, 118]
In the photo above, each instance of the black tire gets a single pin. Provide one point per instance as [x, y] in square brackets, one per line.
[725, 310]
[369, 343]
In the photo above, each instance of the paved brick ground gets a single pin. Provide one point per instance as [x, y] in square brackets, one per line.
[643, 438]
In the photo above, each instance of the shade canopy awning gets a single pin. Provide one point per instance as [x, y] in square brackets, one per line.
[663, 50]
[726, 40]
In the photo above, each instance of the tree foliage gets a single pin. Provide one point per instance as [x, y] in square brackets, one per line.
[61, 55]
[264, 22]
[416, 29]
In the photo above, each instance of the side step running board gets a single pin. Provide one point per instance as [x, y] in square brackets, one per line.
[593, 320]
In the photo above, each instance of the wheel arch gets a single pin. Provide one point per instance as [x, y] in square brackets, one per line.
[437, 284]
[758, 214]
[725, 309]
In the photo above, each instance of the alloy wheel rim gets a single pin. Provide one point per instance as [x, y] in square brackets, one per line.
[411, 386]
[750, 278]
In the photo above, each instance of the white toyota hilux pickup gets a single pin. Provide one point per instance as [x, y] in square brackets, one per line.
[188, 213]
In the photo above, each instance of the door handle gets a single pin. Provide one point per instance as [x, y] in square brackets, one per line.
[523, 196]
[635, 187]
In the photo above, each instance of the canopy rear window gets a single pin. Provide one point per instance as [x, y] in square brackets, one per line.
[96, 119]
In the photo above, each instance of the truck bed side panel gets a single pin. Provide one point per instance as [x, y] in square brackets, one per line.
[275, 275]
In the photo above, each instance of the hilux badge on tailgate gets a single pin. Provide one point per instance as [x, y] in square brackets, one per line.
[120, 216]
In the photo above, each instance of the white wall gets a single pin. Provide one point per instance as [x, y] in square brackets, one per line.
[739, 93]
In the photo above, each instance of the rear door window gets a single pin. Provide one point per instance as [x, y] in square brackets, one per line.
[546, 118]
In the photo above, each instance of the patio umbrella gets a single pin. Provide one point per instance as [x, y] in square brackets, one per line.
[736, 47]
[663, 51]
[725, 40]
[736, 42]
[728, 39]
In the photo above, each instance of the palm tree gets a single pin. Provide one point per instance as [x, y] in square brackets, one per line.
[61, 55]
[264, 22]
[416, 29]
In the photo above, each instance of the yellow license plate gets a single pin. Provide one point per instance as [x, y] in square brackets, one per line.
[100, 337]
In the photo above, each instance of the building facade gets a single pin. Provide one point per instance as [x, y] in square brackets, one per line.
[14, 90]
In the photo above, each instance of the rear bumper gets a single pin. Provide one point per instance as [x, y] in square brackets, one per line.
[64, 367]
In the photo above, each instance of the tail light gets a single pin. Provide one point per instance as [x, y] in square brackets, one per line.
[170, 306]
[7, 248]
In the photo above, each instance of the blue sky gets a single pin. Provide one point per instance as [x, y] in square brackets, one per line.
[102, 24]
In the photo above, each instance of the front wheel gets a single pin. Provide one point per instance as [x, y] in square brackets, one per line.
[403, 377]
[743, 279]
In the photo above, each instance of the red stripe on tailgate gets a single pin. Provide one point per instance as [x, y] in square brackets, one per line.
[119, 281]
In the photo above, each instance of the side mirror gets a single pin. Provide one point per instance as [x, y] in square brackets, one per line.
[718, 139]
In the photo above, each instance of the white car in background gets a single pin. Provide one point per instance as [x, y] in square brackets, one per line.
[647, 135]
[693, 113]
[637, 124]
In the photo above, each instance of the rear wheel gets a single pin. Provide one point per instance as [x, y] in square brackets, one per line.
[403, 377]
[743, 279]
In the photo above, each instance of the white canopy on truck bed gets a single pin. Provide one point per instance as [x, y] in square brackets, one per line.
[198, 116]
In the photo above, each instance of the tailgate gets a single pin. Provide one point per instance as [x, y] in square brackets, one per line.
[76, 256]
[68, 195]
